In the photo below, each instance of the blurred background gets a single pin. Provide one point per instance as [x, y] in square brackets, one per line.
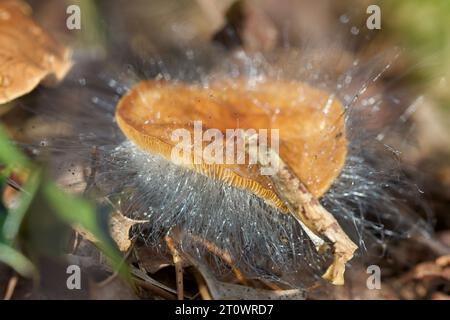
[150, 28]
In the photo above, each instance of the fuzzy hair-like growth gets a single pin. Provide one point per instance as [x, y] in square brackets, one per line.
[371, 198]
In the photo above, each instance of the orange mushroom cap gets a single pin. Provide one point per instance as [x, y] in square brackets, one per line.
[310, 123]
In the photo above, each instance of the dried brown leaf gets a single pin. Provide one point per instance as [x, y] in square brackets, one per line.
[120, 229]
[116, 289]
[219, 290]
[150, 260]
[28, 55]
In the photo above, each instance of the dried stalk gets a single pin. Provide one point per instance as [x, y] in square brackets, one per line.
[11, 287]
[178, 266]
[224, 255]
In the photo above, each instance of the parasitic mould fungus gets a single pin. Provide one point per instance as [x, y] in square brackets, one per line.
[311, 154]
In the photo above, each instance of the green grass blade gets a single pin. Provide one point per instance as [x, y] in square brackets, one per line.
[17, 261]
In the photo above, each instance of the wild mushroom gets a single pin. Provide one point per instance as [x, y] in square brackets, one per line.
[28, 55]
[312, 151]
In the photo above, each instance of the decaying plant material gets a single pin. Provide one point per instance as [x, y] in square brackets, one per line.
[28, 55]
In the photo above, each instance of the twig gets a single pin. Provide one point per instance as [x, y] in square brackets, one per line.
[271, 285]
[160, 292]
[137, 273]
[225, 256]
[202, 286]
[431, 243]
[116, 272]
[11, 287]
[178, 266]
[76, 242]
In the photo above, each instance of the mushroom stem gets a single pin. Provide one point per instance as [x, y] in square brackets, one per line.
[312, 216]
